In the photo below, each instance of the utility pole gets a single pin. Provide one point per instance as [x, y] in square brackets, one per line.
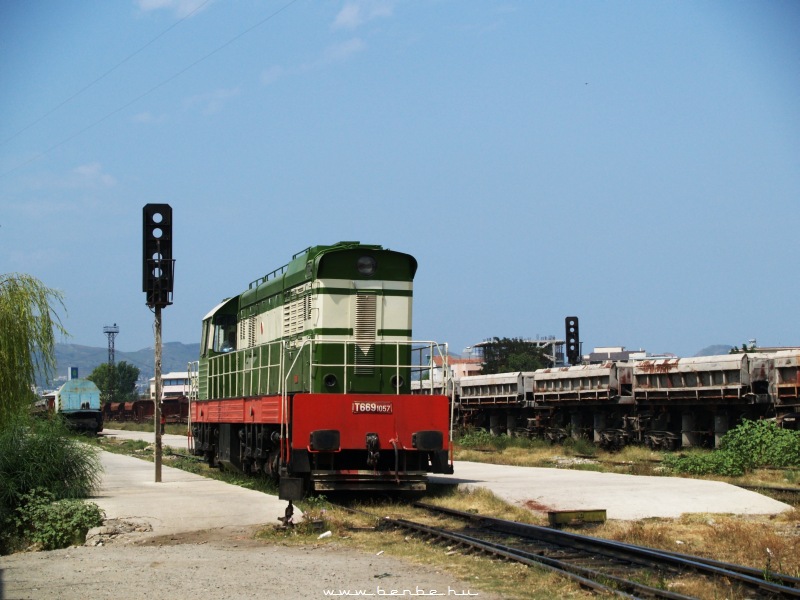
[111, 331]
[157, 399]
[157, 283]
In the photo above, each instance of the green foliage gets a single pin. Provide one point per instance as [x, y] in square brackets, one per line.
[43, 471]
[705, 463]
[40, 453]
[743, 350]
[580, 446]
[27, 339]
[480, 439]
[49, 523]
[117, 383]
[315, 515]
[503, 355]
[763, 443]
[752, 444]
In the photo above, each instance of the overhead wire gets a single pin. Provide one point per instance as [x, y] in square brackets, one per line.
[150, 91]
[104, 75]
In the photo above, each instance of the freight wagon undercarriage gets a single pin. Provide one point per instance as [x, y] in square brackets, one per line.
[613, 426]
[662, 403]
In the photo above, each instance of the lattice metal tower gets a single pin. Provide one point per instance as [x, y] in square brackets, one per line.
[111, 331]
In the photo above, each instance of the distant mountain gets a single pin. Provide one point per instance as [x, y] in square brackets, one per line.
[715, 350]
[174, 357]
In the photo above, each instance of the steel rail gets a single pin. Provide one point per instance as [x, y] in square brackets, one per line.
[581, 575]
[747, 576]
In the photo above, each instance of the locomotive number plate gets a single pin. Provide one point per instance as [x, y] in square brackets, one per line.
[375, 408]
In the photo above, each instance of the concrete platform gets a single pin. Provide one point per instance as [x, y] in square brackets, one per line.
[626, 497]
[181, 502]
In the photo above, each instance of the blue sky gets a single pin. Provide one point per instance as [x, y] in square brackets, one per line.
[636, 164]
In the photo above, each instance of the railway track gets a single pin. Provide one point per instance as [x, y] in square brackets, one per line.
[601, 565]
[791, 492]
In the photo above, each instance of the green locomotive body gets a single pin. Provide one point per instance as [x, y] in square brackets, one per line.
[307, 356]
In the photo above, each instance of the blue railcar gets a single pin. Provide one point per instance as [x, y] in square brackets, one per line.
[78, 401]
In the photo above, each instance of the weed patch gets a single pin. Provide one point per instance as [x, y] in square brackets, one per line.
[752, 444]
[50, 524]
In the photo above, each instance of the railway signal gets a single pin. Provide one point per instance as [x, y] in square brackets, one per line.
[573, 341]
[158, 270]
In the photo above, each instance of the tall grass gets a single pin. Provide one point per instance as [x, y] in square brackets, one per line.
[480, 439]
[42, 454]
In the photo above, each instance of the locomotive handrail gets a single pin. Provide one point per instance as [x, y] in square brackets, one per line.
[284, 441]
[265, 278]
[241, 373]
[193, 370]
[397, 364]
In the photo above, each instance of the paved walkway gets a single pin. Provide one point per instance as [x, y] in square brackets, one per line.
[626, 497]
[182, 501]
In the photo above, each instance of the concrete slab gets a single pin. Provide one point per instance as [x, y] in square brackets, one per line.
[180, 442]
[626, 497]
[182, 502]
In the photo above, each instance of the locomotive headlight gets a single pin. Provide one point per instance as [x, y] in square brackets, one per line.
[367, 265]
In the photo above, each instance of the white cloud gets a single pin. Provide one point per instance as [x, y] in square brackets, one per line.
[213, 102]
[271, 75]
[182, 8]
[343, 51]
[91, 175]
[147, 117]
[357, 12]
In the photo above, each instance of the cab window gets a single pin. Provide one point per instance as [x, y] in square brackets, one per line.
[224, 333]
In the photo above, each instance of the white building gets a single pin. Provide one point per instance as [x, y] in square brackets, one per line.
[174, 385]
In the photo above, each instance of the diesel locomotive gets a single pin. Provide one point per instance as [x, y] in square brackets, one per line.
[306, 377]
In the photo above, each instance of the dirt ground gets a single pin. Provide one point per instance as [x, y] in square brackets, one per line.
[215, 564]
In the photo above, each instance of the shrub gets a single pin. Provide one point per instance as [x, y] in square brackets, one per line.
[706, 463]
[40, 454]
[763, 443]
[51, 524]
[483, 440]
[752, 444]
[480, 439]
[476, 438]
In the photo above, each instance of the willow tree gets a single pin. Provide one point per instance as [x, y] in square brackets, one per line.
[28, 326]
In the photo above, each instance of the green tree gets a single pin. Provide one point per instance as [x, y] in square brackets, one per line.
[28, 326]
[127, 376]
[37, 456]
[117, 383]
[502, 355]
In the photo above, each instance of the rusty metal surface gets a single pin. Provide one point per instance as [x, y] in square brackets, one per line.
[579, 383]
[498, 389]
[698, 379]
[785, 385]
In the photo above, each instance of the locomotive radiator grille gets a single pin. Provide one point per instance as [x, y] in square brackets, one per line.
[365, 332]
[297, 310]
